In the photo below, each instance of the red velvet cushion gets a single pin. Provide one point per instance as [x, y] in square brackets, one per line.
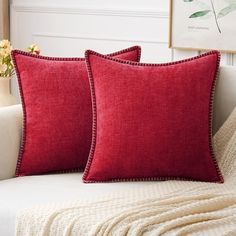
[152, 121]
[57, 111]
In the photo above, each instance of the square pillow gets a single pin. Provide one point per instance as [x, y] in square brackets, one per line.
[57, 111]
[152, 121]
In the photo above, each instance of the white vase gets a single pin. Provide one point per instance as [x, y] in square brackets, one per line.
[6, 99]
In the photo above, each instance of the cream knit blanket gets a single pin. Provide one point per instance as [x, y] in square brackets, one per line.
[162, 208]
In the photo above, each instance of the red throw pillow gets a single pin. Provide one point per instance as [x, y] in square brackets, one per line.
[152, 121]
[57, 110]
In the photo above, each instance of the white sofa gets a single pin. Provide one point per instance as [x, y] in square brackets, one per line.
[23, 192]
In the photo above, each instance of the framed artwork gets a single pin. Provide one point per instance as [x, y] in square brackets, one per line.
[203, 24]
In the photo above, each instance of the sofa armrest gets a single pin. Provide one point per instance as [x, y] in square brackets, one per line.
[10, 138]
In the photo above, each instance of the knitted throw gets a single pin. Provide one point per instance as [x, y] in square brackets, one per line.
[161, 208]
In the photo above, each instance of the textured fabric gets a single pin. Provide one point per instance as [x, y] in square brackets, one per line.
[57, 110]
[152, 121]
[157, 208]
[210, 214]
[10, 135]
[225, 146]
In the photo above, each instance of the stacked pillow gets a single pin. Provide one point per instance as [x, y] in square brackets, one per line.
[56, 102]
[139, 121]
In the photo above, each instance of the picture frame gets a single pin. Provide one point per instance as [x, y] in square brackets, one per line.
[203, 25]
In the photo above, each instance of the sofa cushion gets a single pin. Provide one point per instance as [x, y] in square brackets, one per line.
[10, 136]
[152, 121]
[57, 110]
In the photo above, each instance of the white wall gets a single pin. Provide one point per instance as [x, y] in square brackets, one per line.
[68, 27]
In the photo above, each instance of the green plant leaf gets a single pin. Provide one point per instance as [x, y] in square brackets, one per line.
[225, 11]
[199, 13]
